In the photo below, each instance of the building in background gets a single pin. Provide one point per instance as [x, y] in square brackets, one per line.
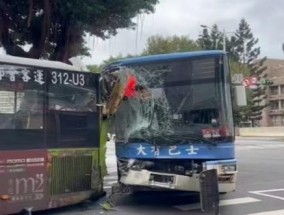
[273, 114]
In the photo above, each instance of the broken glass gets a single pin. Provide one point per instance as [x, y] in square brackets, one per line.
[169, 102]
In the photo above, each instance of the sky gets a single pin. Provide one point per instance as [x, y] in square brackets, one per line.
[184, 17]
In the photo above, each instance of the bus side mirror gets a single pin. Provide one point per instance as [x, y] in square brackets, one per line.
[240, 96]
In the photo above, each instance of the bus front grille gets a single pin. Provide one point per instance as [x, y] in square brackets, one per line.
[71, 174]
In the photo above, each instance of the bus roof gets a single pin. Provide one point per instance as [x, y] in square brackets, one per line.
[21, 61]
[168, 57]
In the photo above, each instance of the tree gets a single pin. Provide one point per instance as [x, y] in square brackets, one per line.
[161, 45]
[212, 40]
[237, 68]
[56, 29]
[98, 68]
[155, 45]
[243, 55]
[94, 68]
[247, 53]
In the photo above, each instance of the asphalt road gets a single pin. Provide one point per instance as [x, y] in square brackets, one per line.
[260, 189]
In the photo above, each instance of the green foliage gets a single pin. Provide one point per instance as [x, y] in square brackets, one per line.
[243, 54]
[237, 68]
[94, 68]
[98, 68]
[247, 52]
[211, 40]
[266, 82]
[155, 45]
[243, 58]
[245, 44]
[56, 29]
[161, 45]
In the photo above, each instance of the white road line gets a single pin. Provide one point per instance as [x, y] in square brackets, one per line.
[265, 193]
[110, 182]
[110, 173]
[277, 212]
[254, 147]
[111, 177]
[273, 146]
[236, 201]
[111, 169]
[187, 207]
[107, 187]
[240, 147]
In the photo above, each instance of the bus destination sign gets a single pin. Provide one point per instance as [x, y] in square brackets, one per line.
[13, 75]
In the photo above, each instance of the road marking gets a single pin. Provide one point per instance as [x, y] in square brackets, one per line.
[253, 147]
[111, 170]
[264, 193]
[187, 207]
[278, 212]
[107, 187]
[271, 190]
[249, 148]
[226, 202]
[110, 182]
[111, 177]
[238, 201]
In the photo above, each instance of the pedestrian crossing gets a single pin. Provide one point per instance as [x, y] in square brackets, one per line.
[231, 202]
[109, 180]
[227, 202]
[275, 212]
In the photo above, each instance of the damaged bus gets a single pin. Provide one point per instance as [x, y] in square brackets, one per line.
[50, 152]
[174, 121]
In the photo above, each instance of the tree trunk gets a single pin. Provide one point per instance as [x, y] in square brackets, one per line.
[40, 42]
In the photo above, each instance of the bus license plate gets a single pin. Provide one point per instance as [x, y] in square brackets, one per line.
[165, 179]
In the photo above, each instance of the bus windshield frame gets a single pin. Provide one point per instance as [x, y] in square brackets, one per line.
[190, 99]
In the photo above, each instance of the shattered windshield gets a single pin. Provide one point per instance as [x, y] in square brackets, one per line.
[174, 101]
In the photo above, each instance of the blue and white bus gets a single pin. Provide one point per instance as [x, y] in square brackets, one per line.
[177, 122]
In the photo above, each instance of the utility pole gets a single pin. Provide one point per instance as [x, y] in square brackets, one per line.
[224, 40]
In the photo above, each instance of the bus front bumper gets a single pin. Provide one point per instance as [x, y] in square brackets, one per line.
[146, 178]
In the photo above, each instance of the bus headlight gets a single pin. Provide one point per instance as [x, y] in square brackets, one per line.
[229, 168]
[222, 166]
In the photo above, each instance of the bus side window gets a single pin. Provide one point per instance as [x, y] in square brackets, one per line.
[30, 115]
[72, 117]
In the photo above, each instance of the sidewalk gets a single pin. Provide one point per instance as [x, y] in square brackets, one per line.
[260, 138]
